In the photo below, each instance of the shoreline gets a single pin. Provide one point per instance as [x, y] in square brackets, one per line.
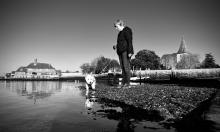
[116, 79]
[172, 102]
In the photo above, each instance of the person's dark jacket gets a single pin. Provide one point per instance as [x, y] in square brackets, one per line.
[124, 41]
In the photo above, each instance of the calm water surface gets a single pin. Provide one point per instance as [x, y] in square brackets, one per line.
[31, 106]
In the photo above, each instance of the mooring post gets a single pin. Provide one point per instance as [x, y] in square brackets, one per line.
[140, 75]
[172, 76]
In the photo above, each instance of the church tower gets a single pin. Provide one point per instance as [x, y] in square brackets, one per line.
[182, 48]
[170, 60]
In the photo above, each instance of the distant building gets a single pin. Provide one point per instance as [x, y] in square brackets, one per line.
[170, 60]
[36, 70]
[20, 72]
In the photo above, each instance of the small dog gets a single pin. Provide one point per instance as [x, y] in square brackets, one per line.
[90, 82]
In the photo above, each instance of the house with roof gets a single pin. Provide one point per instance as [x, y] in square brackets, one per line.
[170, 60]
[36, 70]
[20, 72]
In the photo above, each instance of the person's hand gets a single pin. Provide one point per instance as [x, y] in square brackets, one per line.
[114, 47]
[130, 55]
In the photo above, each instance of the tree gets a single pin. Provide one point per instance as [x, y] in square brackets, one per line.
[114, 65]
[217, 66]
[105, 64]
[86, 68]
[136, 63]
[146, 59]
[67, 71]
[190, 61]
[209, 62]
[100, 65]
[95, 61]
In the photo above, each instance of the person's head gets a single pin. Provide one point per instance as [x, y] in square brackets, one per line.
[119, 25]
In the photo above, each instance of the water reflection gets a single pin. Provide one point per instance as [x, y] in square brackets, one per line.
[34, 90]
[71, 108]
[90, 99]
[128, 117]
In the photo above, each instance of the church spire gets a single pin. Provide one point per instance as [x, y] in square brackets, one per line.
[182, 48]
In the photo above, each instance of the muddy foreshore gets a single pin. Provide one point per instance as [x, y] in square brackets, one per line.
[171, 102]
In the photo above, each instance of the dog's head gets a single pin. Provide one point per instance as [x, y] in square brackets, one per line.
[89, 79]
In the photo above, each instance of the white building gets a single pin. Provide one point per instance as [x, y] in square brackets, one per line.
[36, 70]
[170, 60]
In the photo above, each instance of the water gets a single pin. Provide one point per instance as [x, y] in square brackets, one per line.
[32, 106]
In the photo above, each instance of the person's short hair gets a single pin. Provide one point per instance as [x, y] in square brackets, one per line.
[119, 22]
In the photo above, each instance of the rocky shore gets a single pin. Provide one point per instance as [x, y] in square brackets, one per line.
[171, 101]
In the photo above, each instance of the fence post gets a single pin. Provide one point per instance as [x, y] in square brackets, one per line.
[172, 76]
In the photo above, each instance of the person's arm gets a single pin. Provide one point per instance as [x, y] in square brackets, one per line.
[114, 47]
[128, 37]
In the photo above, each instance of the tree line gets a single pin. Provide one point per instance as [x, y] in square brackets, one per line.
[148, 59]
[100, 65]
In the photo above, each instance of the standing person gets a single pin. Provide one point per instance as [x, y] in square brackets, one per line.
[124, 49]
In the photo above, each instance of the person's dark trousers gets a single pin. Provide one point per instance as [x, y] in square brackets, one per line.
[125, 67]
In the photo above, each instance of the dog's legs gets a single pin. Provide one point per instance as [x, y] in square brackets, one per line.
[87, 90]
[93, 85]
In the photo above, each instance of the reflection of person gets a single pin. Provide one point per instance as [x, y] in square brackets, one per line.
[124, 50]
[124, 124]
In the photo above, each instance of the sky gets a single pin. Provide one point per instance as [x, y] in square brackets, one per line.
[67, 34]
